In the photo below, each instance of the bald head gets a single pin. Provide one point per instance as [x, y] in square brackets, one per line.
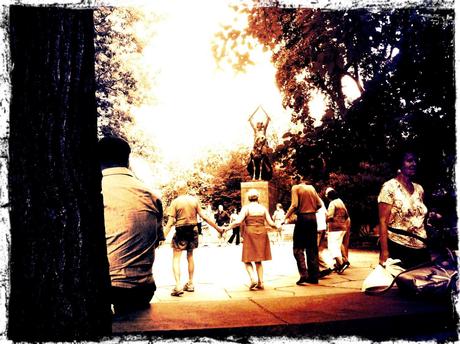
[180, 187]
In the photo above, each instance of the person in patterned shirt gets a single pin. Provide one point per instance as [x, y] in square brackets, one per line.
[402, 215]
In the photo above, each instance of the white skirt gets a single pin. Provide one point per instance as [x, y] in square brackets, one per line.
[334, 242]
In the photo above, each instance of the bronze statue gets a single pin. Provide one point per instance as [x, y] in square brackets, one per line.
[259, 166]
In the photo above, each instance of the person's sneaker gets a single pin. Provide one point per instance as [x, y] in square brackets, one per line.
[324, 273]
[189, 287]
[311, 280]
[302, 281]
[343, 267]
[177, 292]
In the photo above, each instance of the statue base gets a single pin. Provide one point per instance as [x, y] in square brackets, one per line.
[268, 194]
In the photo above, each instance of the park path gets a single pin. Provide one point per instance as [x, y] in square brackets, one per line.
[222, 307]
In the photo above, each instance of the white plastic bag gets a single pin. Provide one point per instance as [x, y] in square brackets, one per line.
[382, 276]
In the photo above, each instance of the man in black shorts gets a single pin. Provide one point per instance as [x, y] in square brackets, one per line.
[182, 214]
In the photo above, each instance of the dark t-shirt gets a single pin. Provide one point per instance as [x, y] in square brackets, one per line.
[222, 217]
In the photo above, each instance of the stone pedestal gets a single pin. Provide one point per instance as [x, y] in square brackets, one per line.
[268, 195]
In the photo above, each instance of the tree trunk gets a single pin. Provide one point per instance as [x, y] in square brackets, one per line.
[59, 267]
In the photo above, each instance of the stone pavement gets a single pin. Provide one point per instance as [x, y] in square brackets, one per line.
[223, 307]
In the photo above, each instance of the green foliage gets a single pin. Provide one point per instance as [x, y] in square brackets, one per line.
[214, 180]
[119, 84]
[403, 63]
[117, 48]
[282, 182]
[359, 191]
[228, 174]
[116, 85]
[314, 49]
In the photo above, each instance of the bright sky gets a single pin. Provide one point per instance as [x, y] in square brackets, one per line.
[192, 106]
[195, 105]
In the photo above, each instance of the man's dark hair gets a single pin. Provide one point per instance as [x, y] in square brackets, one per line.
[113, 151]
[296, 178]
[332, 194]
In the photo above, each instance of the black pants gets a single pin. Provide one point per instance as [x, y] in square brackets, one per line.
[235, 233]
[129, 299]
[410, 257]
[305, 239]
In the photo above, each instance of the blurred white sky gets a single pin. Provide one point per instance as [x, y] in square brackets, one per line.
[196, 106]
[190, 105]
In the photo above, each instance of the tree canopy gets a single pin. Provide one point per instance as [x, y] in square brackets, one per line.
[120, 86]
[116, 85]
[401, 60]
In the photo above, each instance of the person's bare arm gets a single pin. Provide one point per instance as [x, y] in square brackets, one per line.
[319, 201]
[251, 122]
[238, 220]
[171, 221]
[330, 212]
[267, 116]
[266, 125]
[384, 215]
[294, 202]
[205, 217]
[269, 219]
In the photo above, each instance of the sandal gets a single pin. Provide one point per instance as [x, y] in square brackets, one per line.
[260, 286]
[253, 286]
[176, 292]
[189, 287]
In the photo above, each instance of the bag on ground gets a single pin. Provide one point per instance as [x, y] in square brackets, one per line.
[437, 279]
[382, 276]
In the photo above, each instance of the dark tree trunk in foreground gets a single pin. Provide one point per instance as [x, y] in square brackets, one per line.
[59, 268]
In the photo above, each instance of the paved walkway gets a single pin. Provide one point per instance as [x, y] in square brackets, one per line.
[223, 306]
[220, 275]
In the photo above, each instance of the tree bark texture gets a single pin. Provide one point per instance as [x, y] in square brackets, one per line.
[59, 268]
